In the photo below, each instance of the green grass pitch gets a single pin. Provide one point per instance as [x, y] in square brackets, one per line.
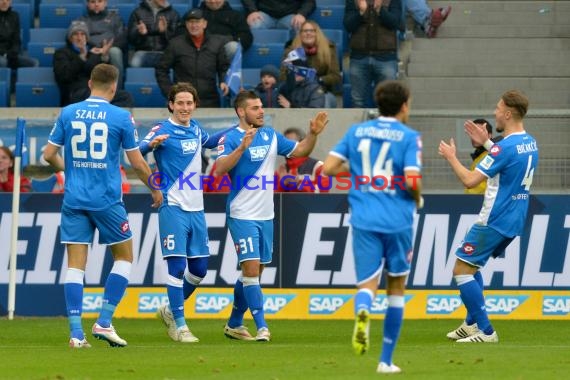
[36, 348]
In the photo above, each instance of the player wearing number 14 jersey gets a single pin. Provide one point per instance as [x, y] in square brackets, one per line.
[93, 133]
[384, 159]
[509, 169]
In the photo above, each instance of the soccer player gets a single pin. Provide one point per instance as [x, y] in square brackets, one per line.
[383, 157]
[177, 145]
[93, 132]
[508, 168]
[248, 154]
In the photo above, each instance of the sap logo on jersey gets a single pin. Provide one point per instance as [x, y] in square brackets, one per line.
[326, 303]
[212, 303]
[274, 303]
[555, 305]
[258, 153]
[189, 146]
[380, 304]
[503, 304]
[150, 302]
[442, 304]
[92, 302]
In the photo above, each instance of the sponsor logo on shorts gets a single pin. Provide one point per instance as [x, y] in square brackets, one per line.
[468, 248]
[125, 227]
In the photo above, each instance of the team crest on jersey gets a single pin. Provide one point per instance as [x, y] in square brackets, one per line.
[125, 227]
[258, 153]
[189, 146]
[264, 136]
[468, 248]
[495, 150]
[487, 162]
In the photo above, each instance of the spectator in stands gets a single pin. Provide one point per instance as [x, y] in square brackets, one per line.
[196, 57]
[73, 63]
[224, 20]
[103, 27]
[321, 55]
[277, 14]
[428, 19]
[373, 45]
[269, 86]
[479, 154]
[301, 89]
[151, 25]
[10, 41]
[301, 174]
[7, 173]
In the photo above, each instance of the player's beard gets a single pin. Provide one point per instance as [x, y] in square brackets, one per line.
[254, 122]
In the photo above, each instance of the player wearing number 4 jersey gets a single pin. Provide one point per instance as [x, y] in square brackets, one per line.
[386, 154]
[508, 168]
[93, 133]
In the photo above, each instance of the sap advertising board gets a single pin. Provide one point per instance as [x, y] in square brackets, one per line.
[312, 247]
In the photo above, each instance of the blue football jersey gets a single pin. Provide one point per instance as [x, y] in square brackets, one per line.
[509, 167]
[380, 151]
[92, 133]
[253, 177]
[179, 160]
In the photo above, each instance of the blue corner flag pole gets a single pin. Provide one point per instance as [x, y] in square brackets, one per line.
[20, 137]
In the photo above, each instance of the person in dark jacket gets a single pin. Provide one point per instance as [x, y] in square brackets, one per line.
[150, 27]
[277, 14]
[373, 26]
[301, 90]
[269, 88]
[10, 41]
[107, 26]
[198, 58]
[73, 63]
[224, 20]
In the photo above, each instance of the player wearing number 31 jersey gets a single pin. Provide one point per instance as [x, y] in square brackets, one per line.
[93, 133]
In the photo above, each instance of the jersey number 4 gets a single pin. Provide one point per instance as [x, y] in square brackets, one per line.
[527, 179]
[97, 140]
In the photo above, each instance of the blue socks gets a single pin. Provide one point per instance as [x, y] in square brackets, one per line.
[239, 307]
[73, 291]
[472, 296]
[254, 298]
[197, 268]
[115, 287]
[174, 284]
[479, 278]
[392, 327]
[363, 300]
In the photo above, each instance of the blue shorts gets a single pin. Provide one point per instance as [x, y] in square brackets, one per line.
[480, 243]
[372, 250]
[253, 239]
[78, 226]
[182, 233]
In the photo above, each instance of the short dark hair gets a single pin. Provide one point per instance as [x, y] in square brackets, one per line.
[242, 98]
[484, 121]
[517, 101]
[390, 96]
[300, 134]
[104, 75]
[182, 87]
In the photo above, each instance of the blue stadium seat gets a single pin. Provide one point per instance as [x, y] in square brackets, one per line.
[181, 8]
[140, 82]
[60, 15]
[250, 78]
[44, 42]
[36, 87]
[329, 16]
[265, 36]
[259, 55]
[5, 81]
[44, 185]
[123, 9]
[26, 13]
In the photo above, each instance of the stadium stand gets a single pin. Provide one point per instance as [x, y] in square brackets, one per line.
[265, 36]
[44, 42]
[259, 55]
[26, 13]
[328, 16]
[250, 78]
[5, 81]
[141, 83]
[60, 14]
[36, 87]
